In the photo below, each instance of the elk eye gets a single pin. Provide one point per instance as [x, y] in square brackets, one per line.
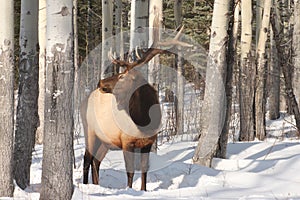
[105, 89]
[120, 76]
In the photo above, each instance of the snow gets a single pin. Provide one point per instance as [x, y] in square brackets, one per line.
[252, 170]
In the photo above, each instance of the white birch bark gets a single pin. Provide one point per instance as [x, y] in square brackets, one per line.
[119, 32]
[77, 81]
[42, 63]
[155, 9]
[247, 74]
[236, 20]
[57, 166]
[27, 109]
[260, 96]
[259, 13]
[180, 73]
[107, 27]
[296, 47]
[6, 97]
[139, 23]
[231, 64]
[246, 35]
[214, 98]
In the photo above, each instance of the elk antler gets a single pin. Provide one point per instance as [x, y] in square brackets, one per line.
[154, 49]
[175, 40]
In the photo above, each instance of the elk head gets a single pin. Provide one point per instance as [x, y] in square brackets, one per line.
[108, 84]
[123, 86]
[129, 76]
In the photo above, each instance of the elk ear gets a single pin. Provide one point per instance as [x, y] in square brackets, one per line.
[99, 84]
[122, 75]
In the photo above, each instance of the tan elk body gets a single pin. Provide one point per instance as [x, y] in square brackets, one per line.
[124, 112]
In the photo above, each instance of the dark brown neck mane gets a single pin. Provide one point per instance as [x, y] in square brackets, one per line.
[143, 101]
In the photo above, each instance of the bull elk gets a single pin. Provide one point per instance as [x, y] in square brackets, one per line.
[123, 112]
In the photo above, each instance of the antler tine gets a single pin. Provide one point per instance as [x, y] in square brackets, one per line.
[114, 60]
[137, 53]
[110, 55]
[121, 62]
[175, 40]
[179, 33]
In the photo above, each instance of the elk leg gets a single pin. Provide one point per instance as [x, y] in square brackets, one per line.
[95, 171]
[101, 152]
[144, 165]
[129, 164]
[95, 162]
[92, 145]
[130, 179]
[97, 159]
[90, 160]
[87, 161]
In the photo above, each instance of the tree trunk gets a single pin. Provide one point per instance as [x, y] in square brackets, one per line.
[107, 28]
[285, 21]
[57, 168]
[260, 95]
[6, 97]
[274, 94]
[27, 110]
[247, 74]
[118, 17]
[296, 48]
[139, 20]
[77, 80]
[277, 12]
[139, 30]
[119, 47]
[180, 74]
[259, 14]
[155, 9]
[42, 64]
[282, 58]
[178, 12]
[214, 99]
[231, 58]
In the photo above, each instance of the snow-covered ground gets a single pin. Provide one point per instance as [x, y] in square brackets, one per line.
[253, 170]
